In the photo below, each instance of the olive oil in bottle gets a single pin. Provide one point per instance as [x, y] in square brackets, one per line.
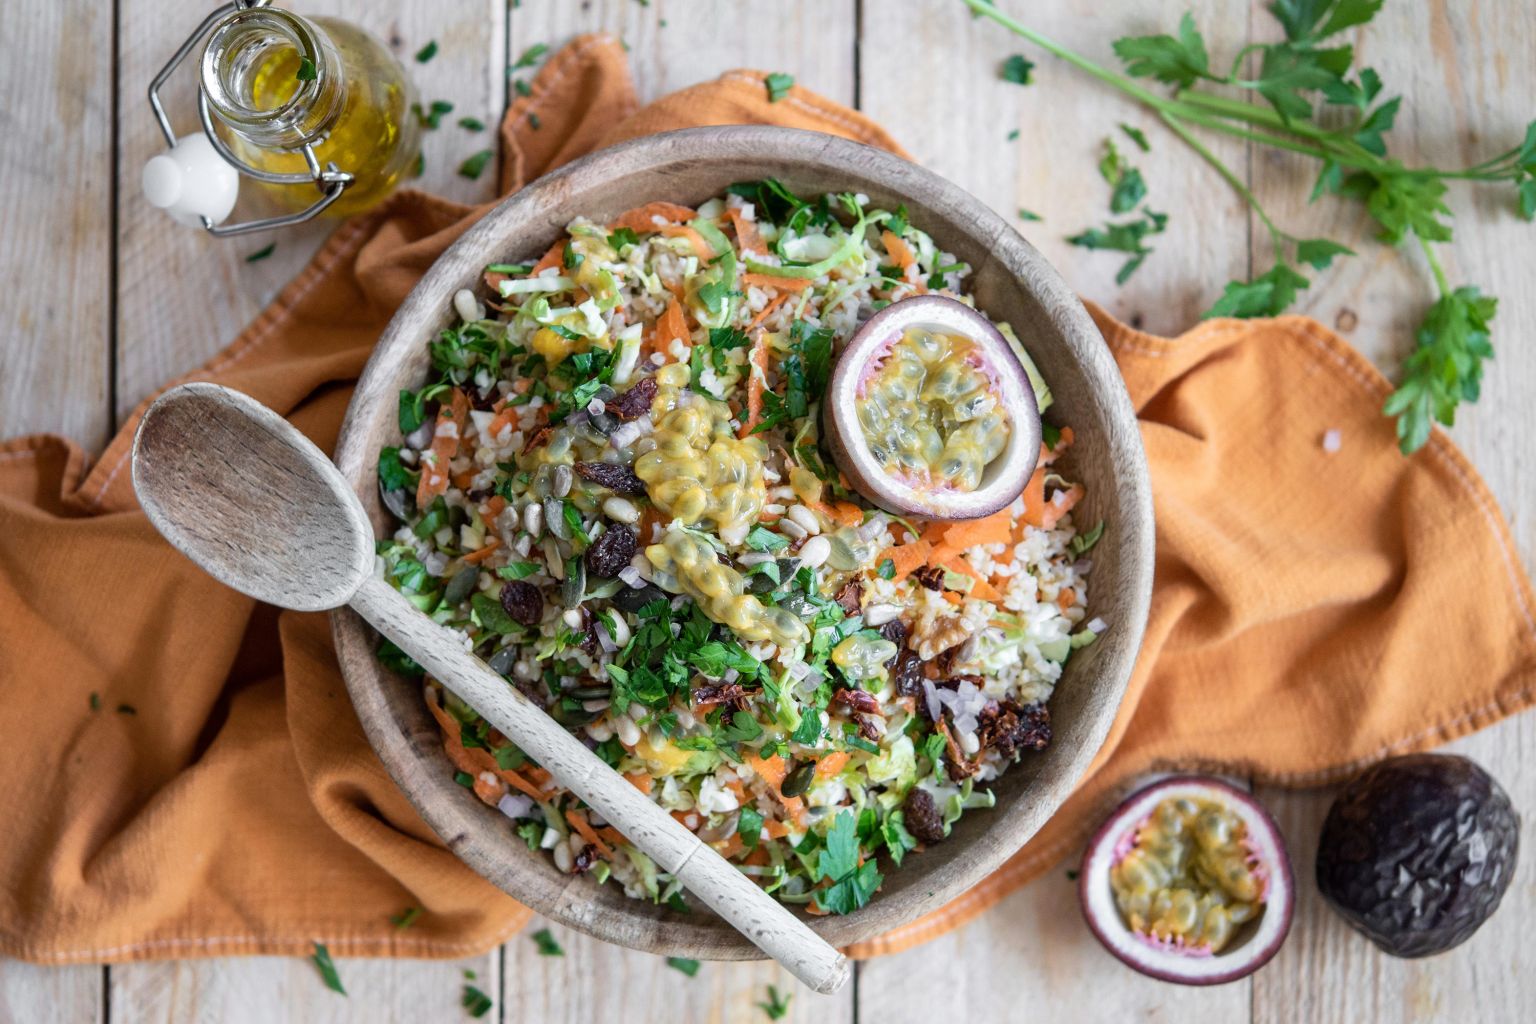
[275, 82]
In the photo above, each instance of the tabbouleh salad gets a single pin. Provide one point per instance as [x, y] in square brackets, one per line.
[613, 489]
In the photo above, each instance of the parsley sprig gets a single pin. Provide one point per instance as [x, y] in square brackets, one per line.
[1283, 90]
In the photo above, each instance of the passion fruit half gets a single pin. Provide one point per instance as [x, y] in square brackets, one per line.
[1189, 881]
[929, 412]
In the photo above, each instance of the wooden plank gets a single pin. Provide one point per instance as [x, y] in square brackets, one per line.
[930, 74]
[56, 220]
[1032, 957]
[673, 44]
[184, 295]
[596, 981]
[259, 990]
[1461, 80]
[676, 43]
[50, 995]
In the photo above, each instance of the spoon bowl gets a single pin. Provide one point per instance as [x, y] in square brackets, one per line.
[238, 490]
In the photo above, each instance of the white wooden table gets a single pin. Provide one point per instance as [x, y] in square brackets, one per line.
[105, 299]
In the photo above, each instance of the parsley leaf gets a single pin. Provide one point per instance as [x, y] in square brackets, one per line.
[1137, 136]
[262, 253]
[763, 539]
[1179, 62]
[1310, 20]
[1318, 253]
[1446, 367]
[546, 943]
[427, 52]
[475, 1002]
[1017, 70]
[530, 56]
[749, 825]
[474, 166]
[778, 85]
[777, 1005]
[1269, 294]
[852, 884]
[322, 960]
[405, 918]
[1286, 71]
[679, 963]
[393, 474]
[306, 73]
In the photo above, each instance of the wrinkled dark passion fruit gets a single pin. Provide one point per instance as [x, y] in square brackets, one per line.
[1189, 881]
[930, 413]
[1416, 852]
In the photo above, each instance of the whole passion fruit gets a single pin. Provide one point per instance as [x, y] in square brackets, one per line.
[1416, 852]
[1188, 881]
[930, 413]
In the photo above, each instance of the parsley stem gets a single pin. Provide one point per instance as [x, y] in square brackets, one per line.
[1276, 236]
[1434, 265]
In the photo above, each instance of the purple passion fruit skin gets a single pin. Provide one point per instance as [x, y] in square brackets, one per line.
[930, 414]
[1417, 851]
[1188, 881]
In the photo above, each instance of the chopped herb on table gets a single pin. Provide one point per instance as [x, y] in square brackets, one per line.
[405, 918]
[427, 52]
[546, 943]
[778, 85]
[95, 701]
[778, 1003]
[432, 117]
[262, 253]
[474, 166]
[472, 124]
[475, 1002]
[1017, 70]
[1305, 96]
[127, 709]
[322, 960]
[688, 967]
[1028, 214]
[530, 56]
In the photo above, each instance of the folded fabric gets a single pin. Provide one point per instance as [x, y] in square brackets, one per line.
[186, 777]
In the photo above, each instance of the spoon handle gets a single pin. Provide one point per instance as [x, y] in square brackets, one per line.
[735, 897]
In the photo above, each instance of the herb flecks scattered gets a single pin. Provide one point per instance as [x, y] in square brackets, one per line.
[1308, 97]
[262, 253]
[688, 967]
[1017, 70]
[427, 52]
[475, 165]
[778, 85]
[777, 1004]
[322, 960]
[546, 943]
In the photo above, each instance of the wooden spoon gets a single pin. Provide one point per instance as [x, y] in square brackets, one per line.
[243, 494]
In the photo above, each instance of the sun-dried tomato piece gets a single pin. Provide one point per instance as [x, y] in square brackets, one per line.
[1011, 729]
[930, 576]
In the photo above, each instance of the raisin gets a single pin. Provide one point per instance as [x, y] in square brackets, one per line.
[1011, 729]
[523, 602]
[930, 576]
[849, 597]
[896, 632]
[635, 402]
[538, 437]
[909, 679]
[611, 552]
[723, 694]
[858, 701]
[922, 815]
[583, 860]
[617, 478]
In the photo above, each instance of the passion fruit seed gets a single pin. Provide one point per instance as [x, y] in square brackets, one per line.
[1188, 877]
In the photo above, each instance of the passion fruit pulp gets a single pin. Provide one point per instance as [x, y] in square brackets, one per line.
[1416, 852]
[955, 435]
[1189, 881]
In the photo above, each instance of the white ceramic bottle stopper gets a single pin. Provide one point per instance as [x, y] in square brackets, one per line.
[191, 181]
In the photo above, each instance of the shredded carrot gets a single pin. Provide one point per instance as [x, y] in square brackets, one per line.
[832, 764]
[905, 557]
[670, 326]
[1049, 455]
[503, 418]
[611, 835]
[701, 248]
[476, 557]
[1053, 511]
[643, 218]
[1034, 499]
[640, 781]
[730, 846]
[552, 258]
[538, 776]
[773, 771]
[681, 817]
[747, 238]
[757, 383]
[494, 506]
[775, 828]
[781, 284]
[527, 787]
[980, 589]
[490, 790]
[464, 477]
[950, 596]
[445, 445]
[762, 314]
[584, 827]
[757, 858]
[1066, 599]
[900, 251]
[952, 538]
[848, 514]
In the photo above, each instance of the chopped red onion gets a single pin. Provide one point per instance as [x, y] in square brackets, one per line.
[515, 805]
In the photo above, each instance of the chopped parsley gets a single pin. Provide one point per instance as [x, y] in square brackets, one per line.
[777, 1005]
[306, 73]
[1017, 70]
[405, 918]
[530, 56]
[322, 960]
[262, 253]
[475, 165]
[778, 85]
[427, 52]
[475, 1002]
[546, 943]
[679, 963]
[852, 883]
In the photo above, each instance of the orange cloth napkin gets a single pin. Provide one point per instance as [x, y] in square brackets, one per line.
[183, 774]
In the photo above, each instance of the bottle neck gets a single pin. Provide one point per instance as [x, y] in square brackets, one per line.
[273, 77]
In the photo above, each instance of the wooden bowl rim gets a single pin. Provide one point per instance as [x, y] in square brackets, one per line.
[478, 834]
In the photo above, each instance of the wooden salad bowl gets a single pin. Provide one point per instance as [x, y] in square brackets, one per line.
[1010, 281]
